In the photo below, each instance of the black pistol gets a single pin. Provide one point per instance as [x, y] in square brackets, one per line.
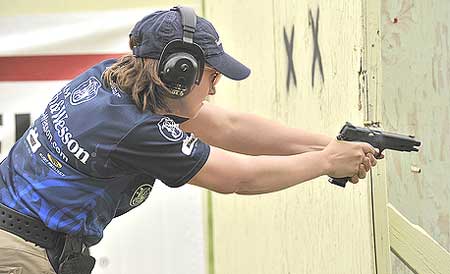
[378, 139]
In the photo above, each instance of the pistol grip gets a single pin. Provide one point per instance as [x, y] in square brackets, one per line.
[339, 181]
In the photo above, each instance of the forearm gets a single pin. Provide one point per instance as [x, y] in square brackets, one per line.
[252, 134]
[273, 173]
[230, 172]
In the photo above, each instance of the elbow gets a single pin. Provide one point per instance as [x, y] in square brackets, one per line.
[225, 186]
[227, 173]
[225, 191]
[236, 185]
[249, 188]
[246, 183]
[255, 178]
[239, 181]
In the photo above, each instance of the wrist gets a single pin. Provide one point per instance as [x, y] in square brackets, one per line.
[319, 142]
[325, 162]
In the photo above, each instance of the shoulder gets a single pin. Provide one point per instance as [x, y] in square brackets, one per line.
[210, 116]
[92, 76]
[157, 128]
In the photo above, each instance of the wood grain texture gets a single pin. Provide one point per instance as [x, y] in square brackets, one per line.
[313, 228]
[415, 247]
[416, 99]
[371, 80]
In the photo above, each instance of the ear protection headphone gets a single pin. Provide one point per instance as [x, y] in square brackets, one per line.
[182, 61]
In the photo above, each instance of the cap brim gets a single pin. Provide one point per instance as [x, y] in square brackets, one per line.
[229, 66]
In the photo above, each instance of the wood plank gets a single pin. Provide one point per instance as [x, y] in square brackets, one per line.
[304, 229]
[415, 100]
[418, 250]
[370, 90]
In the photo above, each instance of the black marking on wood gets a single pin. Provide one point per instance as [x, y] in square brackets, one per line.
[317, 57]
[289, 43]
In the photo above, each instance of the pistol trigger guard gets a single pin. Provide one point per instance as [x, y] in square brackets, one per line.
[378, 156]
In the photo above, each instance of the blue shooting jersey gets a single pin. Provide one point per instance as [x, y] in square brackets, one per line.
[92, 156]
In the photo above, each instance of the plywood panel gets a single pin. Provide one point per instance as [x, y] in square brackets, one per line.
[416, 100]
[314, 227]
[415, 247]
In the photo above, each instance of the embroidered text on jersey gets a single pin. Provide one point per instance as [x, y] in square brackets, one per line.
[188, 144]
[57, 117]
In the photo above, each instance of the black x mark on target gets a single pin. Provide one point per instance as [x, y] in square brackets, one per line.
[317, 57]
[289, 49]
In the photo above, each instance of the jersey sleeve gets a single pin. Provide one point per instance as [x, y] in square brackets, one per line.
[161, 149]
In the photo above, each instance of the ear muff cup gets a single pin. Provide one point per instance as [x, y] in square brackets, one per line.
[179, 71]
[181, 66]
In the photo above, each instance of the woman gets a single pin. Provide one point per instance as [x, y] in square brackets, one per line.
[107, 135]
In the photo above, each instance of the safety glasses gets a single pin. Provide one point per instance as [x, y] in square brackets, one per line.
[215, 77]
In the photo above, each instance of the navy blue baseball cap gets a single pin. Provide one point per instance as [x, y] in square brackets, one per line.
[156, 30]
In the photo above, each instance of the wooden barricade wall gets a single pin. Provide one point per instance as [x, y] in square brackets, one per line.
[315, 227]
[416, 100]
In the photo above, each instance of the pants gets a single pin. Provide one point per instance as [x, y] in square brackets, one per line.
[18, 256]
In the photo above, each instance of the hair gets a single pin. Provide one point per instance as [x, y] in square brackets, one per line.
[138, 77]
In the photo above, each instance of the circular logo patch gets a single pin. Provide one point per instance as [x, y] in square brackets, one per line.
[85, 91]
[170, 130]
[140, 194]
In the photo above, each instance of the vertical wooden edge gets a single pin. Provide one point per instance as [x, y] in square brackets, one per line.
[208, 204]
[209, 232]
[380, 219]
[372, 67]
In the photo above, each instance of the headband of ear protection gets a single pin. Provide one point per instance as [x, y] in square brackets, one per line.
[182, 61]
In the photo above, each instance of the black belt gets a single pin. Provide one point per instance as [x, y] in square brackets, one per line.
[28, 228]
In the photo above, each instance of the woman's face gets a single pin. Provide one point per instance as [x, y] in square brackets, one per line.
[189, 106]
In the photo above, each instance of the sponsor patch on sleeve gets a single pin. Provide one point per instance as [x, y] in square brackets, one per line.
[189, 144]
[170, 130]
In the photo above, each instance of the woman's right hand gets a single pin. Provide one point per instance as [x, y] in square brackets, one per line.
[349, 159]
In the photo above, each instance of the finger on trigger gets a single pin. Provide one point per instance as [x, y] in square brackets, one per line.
[366, 162]
[373, 160]
[362, 172]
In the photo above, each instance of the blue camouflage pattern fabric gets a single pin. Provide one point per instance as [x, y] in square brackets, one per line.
[92, 156]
